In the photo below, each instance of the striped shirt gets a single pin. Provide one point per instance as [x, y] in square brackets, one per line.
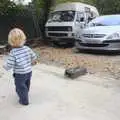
[20, 60]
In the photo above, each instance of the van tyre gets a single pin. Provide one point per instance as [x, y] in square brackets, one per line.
[75, 50]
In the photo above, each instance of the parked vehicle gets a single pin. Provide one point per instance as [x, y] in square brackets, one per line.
[67, 19]
[102, 33]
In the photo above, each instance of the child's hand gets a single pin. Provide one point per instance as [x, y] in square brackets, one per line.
[34, 62]
[5, 67]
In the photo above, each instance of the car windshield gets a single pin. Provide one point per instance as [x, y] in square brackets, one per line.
[62, 16]
[110, 20]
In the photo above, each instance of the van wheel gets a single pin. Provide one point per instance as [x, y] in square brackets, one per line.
[56, 43]
[62, 45]
[75, 50]
[53, 44]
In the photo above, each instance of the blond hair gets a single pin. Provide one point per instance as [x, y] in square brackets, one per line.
[16, 37]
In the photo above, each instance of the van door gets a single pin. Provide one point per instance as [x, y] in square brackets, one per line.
[79, 23]
[88, 15]
[80, 20]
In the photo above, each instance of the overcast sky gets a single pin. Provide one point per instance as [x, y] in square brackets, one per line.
[24, 2]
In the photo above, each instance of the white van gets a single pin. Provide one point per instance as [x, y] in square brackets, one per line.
[67, 19]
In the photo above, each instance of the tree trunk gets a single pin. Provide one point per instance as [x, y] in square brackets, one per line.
[46, 9]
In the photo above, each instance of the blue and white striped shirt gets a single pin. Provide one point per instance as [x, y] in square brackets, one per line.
[20, 59]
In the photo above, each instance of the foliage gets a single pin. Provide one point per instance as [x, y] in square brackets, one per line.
[108, 6]
[84, 1]
[104, 6]
[8, 7]
[42, 8]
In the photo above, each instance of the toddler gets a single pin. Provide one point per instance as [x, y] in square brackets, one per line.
[20, 59]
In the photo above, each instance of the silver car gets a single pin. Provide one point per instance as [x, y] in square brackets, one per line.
[102, 33]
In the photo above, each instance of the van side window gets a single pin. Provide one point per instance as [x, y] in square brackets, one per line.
[80, 17]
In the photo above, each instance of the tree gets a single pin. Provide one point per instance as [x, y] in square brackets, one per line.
[5, 5]
[104, 6]
[108, 6]
[8, 7]
[43, 8]
[84, 1]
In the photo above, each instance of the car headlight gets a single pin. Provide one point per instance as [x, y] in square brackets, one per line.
[114, 36]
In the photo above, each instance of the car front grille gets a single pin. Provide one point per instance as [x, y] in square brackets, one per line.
[93, 35]
[59, 28]
[57, 34]
[111, 41]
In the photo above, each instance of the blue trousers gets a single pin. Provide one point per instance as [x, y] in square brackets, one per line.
[22, 83]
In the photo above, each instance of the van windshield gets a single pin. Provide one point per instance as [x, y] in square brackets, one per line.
[62, 16]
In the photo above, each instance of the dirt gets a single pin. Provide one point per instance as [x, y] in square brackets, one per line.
[104, 64]
[108, 64]
[89, 97]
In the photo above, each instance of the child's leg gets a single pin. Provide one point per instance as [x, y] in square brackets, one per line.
[21, 88]
[28, 76]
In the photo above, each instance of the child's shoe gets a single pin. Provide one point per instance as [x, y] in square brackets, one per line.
[23, 103]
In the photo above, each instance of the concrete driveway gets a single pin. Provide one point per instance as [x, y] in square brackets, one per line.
[54, 97]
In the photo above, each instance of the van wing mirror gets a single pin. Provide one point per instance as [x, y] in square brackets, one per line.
[89, 19]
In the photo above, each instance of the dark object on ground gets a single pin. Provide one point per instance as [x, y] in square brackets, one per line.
[75, 72]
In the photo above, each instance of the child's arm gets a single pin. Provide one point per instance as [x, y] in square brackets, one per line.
[10, 62]
[33, 57]
[34, 62]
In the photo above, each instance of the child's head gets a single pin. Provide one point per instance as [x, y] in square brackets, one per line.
[16, 37]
